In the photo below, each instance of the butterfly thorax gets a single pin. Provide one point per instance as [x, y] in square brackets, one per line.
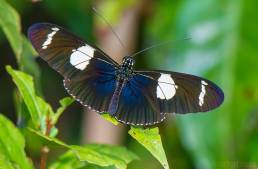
[126, 71]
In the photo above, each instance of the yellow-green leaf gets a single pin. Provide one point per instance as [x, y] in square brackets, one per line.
[25, 85]
[102, 155]
[12, 145]
[5, 163]
[67, 161]
[151, 140]
[109, 118]
[10, 24]
[105, 155]
[48, 139]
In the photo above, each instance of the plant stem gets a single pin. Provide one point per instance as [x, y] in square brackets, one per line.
[43, 160]
[45, 149]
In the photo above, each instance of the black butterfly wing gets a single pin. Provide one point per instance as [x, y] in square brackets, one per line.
[150, 95]
[89, 74]
[183, 93]
[64, 52]
[137, 104]
[95, 88]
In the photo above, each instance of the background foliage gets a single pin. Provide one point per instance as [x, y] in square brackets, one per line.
[223, 48]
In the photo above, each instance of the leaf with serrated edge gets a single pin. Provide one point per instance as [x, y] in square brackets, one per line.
[151, 140]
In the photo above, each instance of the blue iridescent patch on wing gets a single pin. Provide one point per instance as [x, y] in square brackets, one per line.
[136, 104]
[132, 94]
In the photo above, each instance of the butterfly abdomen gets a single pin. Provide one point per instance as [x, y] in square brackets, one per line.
[112, 109]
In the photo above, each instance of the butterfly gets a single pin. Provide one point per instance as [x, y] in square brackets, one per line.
[135, 97]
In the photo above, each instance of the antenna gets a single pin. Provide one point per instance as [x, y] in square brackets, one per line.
[157, 45]
[110, 26]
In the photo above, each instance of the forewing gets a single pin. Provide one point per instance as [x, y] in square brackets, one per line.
[64, 52]
[89, 74]
[182, 93]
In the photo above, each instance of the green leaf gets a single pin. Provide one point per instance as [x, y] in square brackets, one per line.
[25, 85]
[65, 102]
[105, 155]
[10, 24]
[53, 132]
[48, 139]
[67, 161]
[109, 118]
[70, 161]
[28, 60]
[102, 155]
[38, 108]
[23, 115]
[12, 144]
[151, 140]
[92, 166]
[5, 163]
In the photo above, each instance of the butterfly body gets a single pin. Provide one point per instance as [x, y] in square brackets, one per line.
[131, 96]
[123, 74]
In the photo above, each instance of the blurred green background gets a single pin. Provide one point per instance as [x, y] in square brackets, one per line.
[222, 48]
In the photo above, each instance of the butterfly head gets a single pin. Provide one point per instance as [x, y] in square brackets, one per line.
[126, 69]
[128, 61]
